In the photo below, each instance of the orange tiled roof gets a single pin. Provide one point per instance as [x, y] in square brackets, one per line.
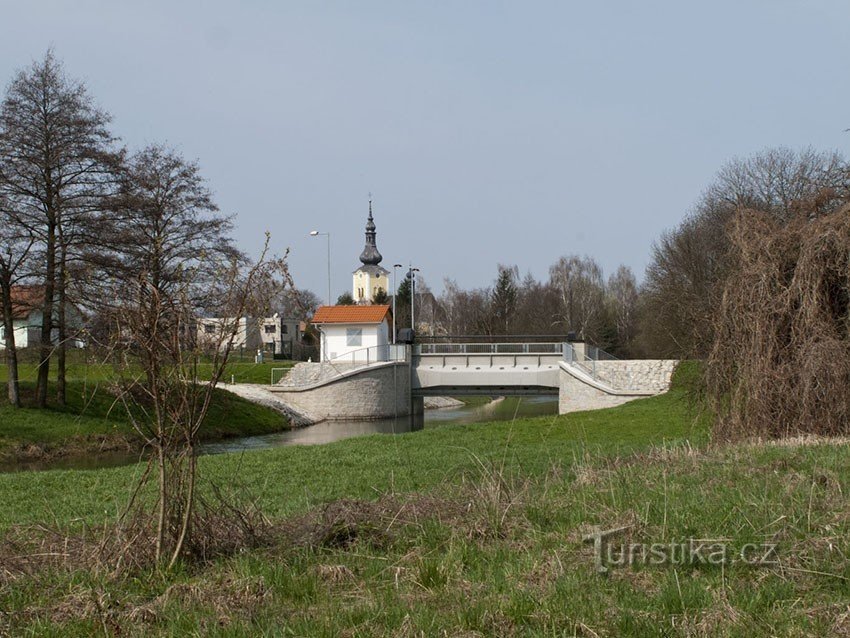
[351, 314]
[25, 299]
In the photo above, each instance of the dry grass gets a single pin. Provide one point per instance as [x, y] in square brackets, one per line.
[780, 364]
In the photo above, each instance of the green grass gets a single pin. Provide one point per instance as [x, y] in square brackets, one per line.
[88, 368]
[92, 420]
[291, 479]
[476, 530]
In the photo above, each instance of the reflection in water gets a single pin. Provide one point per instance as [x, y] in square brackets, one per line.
[502, 409]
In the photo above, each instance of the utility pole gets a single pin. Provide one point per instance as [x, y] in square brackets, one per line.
[411, 275]
[316, 233]
[395, 266]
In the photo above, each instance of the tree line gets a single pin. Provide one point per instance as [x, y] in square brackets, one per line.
[134, 240]
[79, 213]
[672, 312]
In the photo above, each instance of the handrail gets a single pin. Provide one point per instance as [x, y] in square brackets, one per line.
[384, 353]
[489, 348]
[278, 370]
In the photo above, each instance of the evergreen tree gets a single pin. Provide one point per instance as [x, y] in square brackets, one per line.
[381, 297]
[345, 299]
[503, 300]
[402, 304]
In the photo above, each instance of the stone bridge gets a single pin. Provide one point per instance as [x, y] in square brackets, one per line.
[395, 379]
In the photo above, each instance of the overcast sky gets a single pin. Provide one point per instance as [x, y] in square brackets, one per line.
[512, 132]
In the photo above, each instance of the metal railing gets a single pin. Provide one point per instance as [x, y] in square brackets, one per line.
[276, 370]
[586, 357]
[371, 354]
[489, 348]
[338, 365]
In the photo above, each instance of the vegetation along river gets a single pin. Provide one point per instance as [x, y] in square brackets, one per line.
[478, 411]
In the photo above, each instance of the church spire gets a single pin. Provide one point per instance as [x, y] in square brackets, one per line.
[370, 255]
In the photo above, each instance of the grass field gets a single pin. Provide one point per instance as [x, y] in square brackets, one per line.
[92, 421]
[473, 530]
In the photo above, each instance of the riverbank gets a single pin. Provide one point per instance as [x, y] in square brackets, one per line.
[468, 530]
[93, 424]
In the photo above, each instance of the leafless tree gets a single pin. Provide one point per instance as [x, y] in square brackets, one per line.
[580, 289]
[174, 261]
[622, 294]
[465, 312]
[56, 164]
[689, 263]
[15, 247]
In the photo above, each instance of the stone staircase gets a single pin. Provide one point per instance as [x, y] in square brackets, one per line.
[306, 374]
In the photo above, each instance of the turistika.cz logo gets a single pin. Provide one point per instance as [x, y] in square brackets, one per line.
[690, 552]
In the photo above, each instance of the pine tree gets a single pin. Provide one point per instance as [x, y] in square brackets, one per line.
[503, 300]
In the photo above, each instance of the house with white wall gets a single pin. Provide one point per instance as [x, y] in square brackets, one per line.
[281, 335]
[354, 333]
[214, 332]
[26, 320]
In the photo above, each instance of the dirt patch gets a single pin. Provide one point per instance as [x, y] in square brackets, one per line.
[81, 446]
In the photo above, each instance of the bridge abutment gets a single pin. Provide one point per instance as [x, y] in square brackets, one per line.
[376, 392]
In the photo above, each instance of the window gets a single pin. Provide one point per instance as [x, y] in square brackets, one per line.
[209, 328]
[271, 328]
[284, 329]
[354, 336]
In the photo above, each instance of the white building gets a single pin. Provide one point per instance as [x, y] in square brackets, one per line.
[26, 319]
[214, 332]
[280, 335]
[354, 334]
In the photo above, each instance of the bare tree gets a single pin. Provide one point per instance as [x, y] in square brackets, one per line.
[173, 261]
[683, 280]
[622, 294]
[15, 246]
[578, 284]
[296, 303]
[55, 158]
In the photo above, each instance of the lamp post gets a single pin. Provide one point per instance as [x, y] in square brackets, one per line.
[316, 233]
[411, 275]
[395, 266]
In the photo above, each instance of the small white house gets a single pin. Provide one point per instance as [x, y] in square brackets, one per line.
[26, 319]
[281, 335]
[354, 334]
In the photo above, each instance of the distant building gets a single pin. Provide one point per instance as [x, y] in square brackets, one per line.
[214, 332]
[27, 302]
[363, 332]
[281, 336]
[370, 278]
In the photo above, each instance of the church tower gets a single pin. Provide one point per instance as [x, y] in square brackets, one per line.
[370, 278]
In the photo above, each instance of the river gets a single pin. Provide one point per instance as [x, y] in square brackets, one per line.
[502, 409]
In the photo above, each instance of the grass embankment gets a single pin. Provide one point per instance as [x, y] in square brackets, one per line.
[475, 530]
[92, 421]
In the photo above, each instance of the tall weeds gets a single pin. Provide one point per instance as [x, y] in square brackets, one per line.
[780, 363]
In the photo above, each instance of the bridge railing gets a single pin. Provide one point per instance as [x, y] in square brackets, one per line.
[334, 367]
[586, 358]
[488, 348]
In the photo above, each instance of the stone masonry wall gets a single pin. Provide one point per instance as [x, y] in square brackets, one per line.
[370, 393]
[645, 375]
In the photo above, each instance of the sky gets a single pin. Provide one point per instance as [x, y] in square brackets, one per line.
[487, 132]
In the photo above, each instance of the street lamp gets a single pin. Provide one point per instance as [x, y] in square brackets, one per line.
[411, 275]
[394, 295]
[316, 233]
